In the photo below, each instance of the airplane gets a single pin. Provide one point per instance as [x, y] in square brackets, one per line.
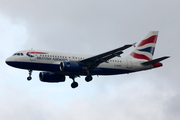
[56, 66]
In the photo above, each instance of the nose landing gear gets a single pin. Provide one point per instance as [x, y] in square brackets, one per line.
[29, 77]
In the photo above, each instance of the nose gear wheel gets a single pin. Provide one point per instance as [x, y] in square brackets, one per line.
[29, 77]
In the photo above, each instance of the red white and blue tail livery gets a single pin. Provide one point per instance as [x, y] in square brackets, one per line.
[145, 50]
[57, 66]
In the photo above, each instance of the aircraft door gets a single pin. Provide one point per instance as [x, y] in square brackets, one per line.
[129, 63]
[32, 55]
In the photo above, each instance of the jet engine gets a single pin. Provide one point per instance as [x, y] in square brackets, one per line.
[51, 77]
[71, 67]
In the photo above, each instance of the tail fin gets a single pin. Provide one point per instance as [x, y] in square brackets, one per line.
[145, 50]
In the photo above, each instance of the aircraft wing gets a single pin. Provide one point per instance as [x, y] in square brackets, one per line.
[98, 59]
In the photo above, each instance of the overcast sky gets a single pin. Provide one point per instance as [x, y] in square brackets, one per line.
[90, 27]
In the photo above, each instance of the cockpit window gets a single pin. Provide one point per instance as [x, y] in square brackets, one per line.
[18, 54]
[14, 54]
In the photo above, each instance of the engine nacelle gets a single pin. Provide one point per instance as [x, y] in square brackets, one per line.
[71, 67]
[51, 77]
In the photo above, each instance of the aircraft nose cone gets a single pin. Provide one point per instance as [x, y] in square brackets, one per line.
[9, 61]
[13, 62]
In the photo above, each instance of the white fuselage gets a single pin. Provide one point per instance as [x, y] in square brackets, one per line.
[50, 61]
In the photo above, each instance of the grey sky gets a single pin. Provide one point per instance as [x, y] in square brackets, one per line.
[90, 27]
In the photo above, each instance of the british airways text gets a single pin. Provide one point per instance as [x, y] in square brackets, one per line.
[48, 58]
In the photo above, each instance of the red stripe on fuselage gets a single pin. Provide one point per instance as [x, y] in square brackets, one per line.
[37, 53]
[151, 39]
[140, 56]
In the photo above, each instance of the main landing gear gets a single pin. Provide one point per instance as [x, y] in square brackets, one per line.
[88, 78]
[74, 84]
[29, 77]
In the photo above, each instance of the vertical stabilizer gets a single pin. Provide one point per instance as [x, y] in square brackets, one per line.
[145, 50]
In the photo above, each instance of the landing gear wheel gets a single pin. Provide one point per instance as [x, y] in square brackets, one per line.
[88, 78]
[74, 84]
[29, 78]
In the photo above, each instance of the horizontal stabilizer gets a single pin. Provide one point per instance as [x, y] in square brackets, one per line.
[151, 62]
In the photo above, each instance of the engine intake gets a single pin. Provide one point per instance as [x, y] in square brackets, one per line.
[71, 67]
[51, 77]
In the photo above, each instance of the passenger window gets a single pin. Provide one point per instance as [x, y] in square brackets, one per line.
[21, 54]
